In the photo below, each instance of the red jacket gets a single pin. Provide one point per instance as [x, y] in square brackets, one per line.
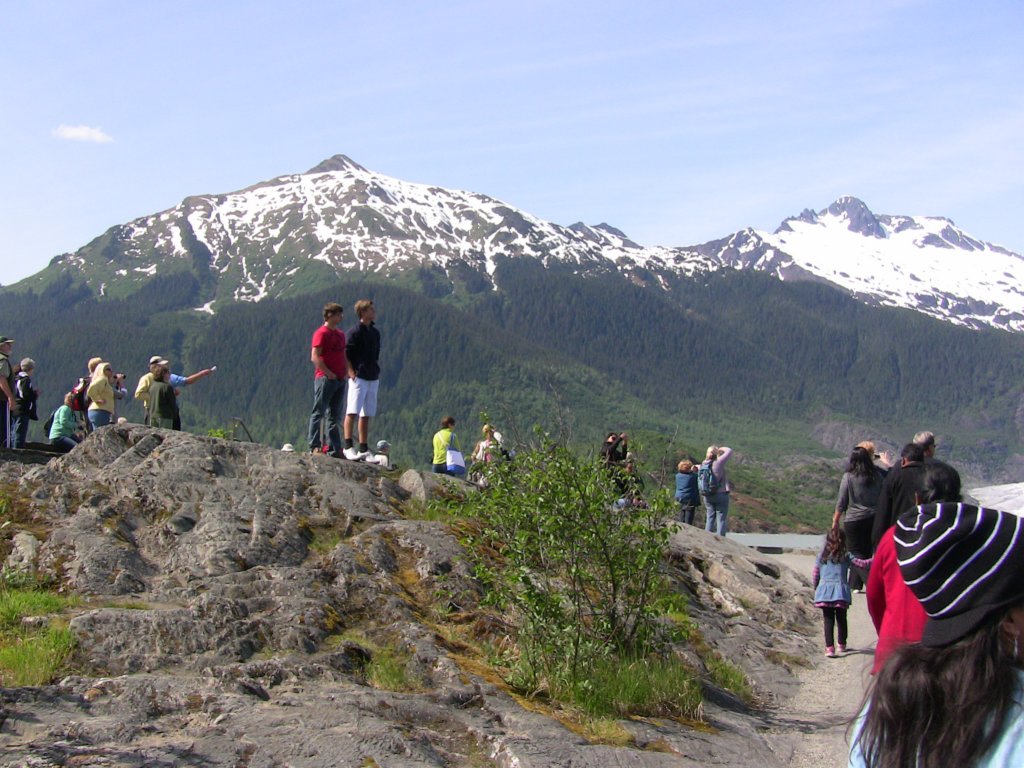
[897, 613]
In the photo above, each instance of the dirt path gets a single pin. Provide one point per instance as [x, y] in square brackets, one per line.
[830, 691]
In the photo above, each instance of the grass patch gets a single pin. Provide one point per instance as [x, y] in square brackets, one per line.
[787, 660]
[603, 730]
[16, 604]
[651, 687]
[325, 540]
[32, 656]
[388, 667]
[728, 676]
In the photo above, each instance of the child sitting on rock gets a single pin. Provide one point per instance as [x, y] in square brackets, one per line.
[831, 579]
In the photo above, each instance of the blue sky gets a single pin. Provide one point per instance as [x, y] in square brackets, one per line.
[677, 122]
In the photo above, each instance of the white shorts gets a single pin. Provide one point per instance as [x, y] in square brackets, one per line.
[362, 397]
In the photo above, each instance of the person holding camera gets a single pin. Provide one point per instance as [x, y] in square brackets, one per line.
[105, 389]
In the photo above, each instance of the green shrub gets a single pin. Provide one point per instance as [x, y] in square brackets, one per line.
[579, 574]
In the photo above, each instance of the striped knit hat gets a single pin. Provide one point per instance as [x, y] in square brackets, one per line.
[963, 563]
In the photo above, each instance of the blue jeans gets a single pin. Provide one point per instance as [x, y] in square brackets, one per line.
[20, 424]
[328, 395]
[99, 418]
[64, 443]
[717, 507]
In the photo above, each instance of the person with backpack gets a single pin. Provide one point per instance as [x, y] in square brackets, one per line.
[9, 408]
[714, 487]
[80, 401]
[25, 397]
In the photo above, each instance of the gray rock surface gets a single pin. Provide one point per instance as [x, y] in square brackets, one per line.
[236, 593]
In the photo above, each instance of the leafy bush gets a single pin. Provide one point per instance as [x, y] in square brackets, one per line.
[578, 569]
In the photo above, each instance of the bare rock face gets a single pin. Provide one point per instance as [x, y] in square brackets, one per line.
[236, 593]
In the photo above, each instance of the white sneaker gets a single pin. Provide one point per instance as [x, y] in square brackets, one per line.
[353, 454]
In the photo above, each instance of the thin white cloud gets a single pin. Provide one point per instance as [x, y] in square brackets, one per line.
[83, 133]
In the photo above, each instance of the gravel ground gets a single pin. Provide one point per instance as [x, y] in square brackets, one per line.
[831, 690]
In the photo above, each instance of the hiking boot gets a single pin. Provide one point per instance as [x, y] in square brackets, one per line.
[830, 651]
[353, 454]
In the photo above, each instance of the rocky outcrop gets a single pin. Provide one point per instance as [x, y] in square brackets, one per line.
[235, 594]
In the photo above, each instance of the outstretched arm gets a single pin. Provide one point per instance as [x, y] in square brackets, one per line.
[197, 376]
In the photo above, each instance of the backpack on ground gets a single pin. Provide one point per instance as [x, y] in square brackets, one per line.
[707, 483]
[79, 401]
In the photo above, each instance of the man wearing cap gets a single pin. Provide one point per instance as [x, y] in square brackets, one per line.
[6, 385]
[156, 362]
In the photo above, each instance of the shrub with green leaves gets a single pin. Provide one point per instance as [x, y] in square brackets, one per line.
[578, 569]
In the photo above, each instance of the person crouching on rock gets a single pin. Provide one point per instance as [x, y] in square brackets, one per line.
[64, 432]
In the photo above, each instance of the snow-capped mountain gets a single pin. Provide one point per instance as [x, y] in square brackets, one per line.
[282, 236]
[924, 263]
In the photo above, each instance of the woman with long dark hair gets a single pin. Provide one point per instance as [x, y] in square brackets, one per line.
[858, 493]
[957, 697]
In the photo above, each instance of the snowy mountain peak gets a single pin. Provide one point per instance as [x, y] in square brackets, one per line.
[858, 217]
[337, 163]
[281, 236]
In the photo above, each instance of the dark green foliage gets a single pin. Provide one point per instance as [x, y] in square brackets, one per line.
[737, 358]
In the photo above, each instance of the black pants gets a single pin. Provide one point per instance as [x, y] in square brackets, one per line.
[833, 616]
[858, 542]
[687, 511]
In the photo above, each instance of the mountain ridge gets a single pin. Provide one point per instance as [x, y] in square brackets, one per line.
[280, 237]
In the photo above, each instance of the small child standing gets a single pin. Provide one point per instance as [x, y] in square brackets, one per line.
[831, 580]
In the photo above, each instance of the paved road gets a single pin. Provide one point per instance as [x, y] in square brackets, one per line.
[831, 690]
